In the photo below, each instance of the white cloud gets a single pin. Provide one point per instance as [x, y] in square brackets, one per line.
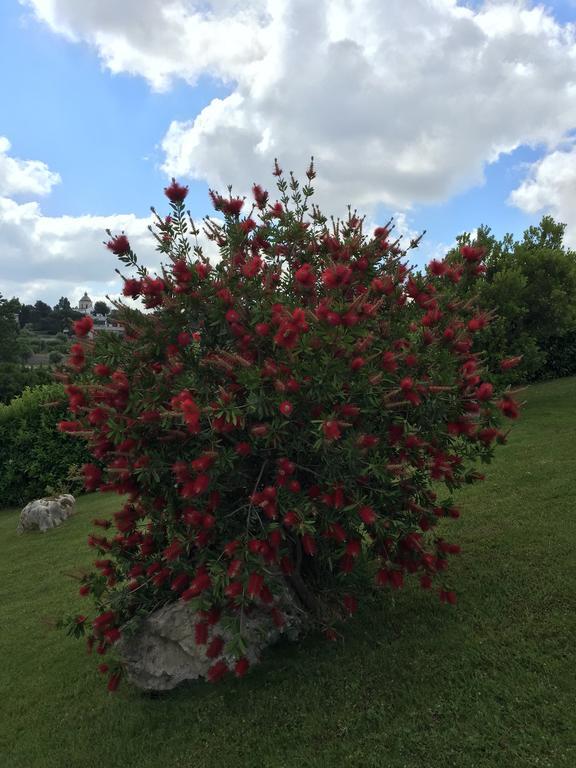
[550, 187]
[400, 103]
[19, 177]
[45, 257]
[163, 39]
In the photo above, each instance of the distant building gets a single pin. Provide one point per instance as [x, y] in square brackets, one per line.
[101, 322]
[85, 305]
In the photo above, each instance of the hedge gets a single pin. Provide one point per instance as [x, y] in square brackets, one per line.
[35, 458]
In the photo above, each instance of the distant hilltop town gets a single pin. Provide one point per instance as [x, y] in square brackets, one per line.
[101, 321]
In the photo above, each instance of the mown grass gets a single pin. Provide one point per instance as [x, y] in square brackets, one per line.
[414, 684]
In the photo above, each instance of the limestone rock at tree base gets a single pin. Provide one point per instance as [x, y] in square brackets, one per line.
[43, 514]
[163, 652]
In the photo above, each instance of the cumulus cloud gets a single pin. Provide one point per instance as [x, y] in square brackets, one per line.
[400, 102]
[551, 188]
[163, 39]
[51, 256]
[19, 177]
[46, 257]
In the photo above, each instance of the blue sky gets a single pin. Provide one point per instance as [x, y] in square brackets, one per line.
[109, 137]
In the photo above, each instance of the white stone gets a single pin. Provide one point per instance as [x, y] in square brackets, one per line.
[163, 652]
[43, 514]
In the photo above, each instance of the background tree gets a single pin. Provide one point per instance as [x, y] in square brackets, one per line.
[531, 283]
[9, 331]
[64, 315]
[101, 308]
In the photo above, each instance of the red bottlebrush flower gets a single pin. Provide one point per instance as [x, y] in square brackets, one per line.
[357, 363]
[351, 604]
[382, 285]
[471, 254]
[243, 449]
[262, 329]
[203, 462]
[247, 225]
[217, 671]
[426, 581]
[174, 551]
[215, 647]
[305, 275]
[103, 668]
[335, 277]
[92, 477]
[448, 596]
[199, 584]
[260, 196]
[336, 531]
[396, 579]
[233, 590]
[101, 370]
[114, 682]
[354, 548]
[184, 339]
[382, 577]
[477, 323]
[234, 568]
[232, 316]
[331, 430]
[201, 633]
[175, 192]
[510, 362]
[132, 288]
[202, 270]
[309, 545]
[119, 245]
[291, 519]
[198, 486]
[509, 407]
[286, 408]
[484, 391]
[388, 362]
[83, 326]
[367, 515]
[241, 667]
[252, 267]
[406, 384]
[437, 268]
[97, 416]
[255, 584]
[84, 590]
[367, 441]
[103, 620]
[76, 359]
[112, 635]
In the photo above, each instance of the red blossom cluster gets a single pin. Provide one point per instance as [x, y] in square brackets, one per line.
[283, 416]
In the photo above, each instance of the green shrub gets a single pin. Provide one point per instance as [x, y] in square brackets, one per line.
[34, 455]
[15, 378]
[560, 357]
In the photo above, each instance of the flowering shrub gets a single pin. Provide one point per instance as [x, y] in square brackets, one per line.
[286, 414]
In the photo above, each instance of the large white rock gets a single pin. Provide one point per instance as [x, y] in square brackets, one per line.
[43, 514]
[163, 652]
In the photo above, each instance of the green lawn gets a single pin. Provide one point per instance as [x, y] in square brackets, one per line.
[415, 684]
